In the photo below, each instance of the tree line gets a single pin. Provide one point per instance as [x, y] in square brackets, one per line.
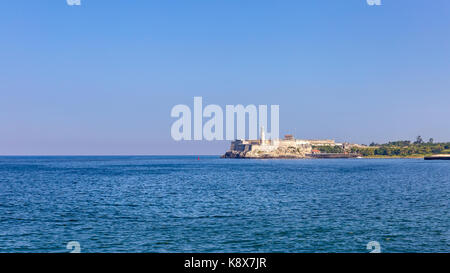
[404, 148]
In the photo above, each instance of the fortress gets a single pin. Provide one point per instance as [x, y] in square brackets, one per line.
[289, 147]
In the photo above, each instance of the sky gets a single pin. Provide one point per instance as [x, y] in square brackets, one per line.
[101, 78]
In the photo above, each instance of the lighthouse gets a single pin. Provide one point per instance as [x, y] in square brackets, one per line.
[263, 135]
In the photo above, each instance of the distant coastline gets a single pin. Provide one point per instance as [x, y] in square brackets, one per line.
[404, 149]
[292, 148]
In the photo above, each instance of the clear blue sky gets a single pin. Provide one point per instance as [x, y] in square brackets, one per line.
[101, 78]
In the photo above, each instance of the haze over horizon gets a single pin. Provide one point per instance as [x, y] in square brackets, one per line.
[102, 78]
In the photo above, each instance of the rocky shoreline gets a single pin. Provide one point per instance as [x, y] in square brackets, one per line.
[278, 155]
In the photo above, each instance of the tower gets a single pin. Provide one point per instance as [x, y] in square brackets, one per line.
[263, 135]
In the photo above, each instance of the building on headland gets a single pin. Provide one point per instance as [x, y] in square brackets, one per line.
[325, 142]
[289, 147]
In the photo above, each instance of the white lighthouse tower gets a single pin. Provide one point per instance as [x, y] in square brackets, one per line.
[263, 136]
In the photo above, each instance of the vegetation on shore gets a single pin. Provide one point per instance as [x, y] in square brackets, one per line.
[329, 149]
[404, 149]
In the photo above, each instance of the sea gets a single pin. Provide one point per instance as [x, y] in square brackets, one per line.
[208, 204]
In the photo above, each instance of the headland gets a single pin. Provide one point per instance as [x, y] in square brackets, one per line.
[289, 148]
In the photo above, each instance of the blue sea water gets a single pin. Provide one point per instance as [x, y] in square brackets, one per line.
[181, 204]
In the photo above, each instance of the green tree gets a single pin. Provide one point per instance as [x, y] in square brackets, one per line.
[419, 140]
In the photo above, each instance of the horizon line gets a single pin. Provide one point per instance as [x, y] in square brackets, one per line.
[30, 155]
